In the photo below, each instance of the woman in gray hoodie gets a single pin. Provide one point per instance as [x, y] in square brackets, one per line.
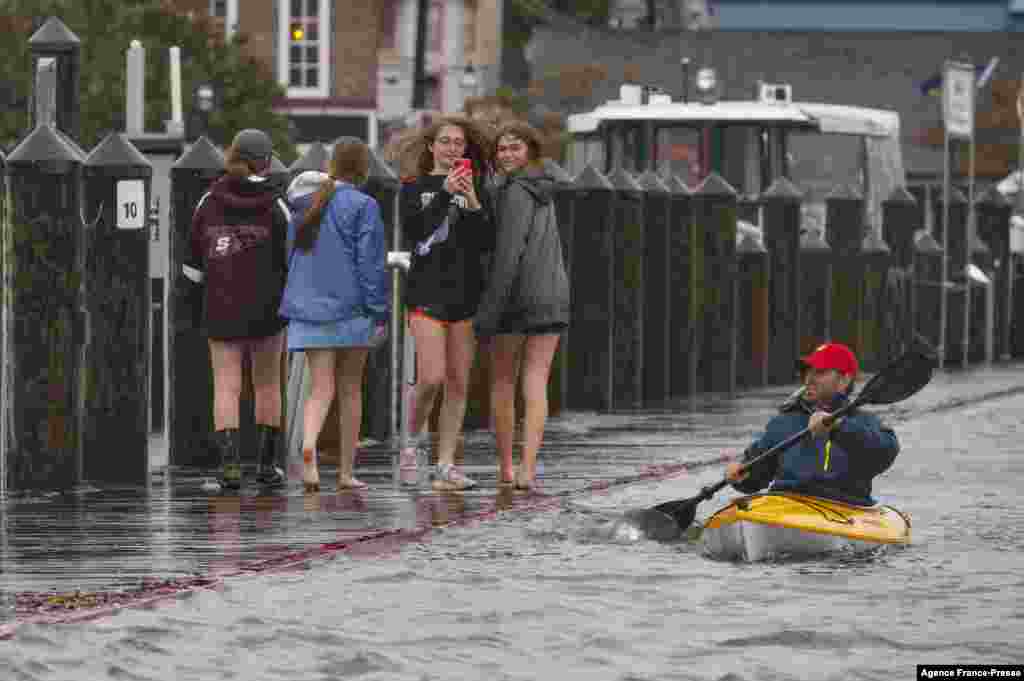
[526, 304]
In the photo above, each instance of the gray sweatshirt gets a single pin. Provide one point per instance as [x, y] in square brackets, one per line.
[528, 286]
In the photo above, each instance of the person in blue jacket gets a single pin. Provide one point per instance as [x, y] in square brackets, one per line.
[337, 297]
[840, 458]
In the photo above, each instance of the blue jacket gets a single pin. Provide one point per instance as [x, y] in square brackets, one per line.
[839, 466]
[344, 275]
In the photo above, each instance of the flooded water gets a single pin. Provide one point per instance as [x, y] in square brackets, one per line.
[536, 593]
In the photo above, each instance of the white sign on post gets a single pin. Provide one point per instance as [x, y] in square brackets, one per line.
[958, 100]
[131, 204]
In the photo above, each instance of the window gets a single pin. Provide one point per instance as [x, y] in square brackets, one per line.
[305, 39]
[219, 9]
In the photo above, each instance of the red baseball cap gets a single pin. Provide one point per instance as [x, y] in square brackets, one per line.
[833, 356]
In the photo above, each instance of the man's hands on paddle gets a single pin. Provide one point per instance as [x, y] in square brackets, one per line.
[735, 472]
[821, 422]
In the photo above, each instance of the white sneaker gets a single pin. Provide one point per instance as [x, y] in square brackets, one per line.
[447, 476]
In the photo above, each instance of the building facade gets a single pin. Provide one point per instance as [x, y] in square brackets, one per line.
[347, 65]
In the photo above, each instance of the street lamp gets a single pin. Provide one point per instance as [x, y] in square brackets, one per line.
[470, 79]
[204, 99]
[707, 85]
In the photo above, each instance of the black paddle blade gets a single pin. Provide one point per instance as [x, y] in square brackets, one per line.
[903, 377]
[682, 511]
[653, 524]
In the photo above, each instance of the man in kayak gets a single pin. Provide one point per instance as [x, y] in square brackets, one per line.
[839, 458]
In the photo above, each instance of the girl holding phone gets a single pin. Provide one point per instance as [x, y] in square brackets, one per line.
[446, 223]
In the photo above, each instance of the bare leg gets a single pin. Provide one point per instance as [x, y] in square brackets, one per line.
[226, 360]
[321, 369]
[430, 370]
[351, 363]
[266, 380]
[504, 372]
[537, 356]
[460, 348]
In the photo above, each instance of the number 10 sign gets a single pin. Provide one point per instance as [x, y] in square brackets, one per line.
[131, 204]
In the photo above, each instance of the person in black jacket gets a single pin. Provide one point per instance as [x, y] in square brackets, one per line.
[840, 458]
[446, 224]
[236, 264]
[526, 304]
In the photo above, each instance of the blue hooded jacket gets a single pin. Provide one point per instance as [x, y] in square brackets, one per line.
[344, 275]
[839, 466]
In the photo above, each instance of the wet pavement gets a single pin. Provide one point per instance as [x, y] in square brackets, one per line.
[104, 554]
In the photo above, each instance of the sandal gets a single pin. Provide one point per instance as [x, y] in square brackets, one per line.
[310, 472]
[351, 483]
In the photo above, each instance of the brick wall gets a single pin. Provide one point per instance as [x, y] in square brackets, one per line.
[356, 36]
[256, 21]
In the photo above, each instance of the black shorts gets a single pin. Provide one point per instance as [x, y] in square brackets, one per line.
[536, 330]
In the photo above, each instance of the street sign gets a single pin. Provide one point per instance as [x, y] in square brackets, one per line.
[958, 100]
[131, 204]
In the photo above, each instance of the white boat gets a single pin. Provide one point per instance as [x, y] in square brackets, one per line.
[783, 525]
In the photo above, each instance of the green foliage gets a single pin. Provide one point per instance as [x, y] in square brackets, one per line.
[246, 92]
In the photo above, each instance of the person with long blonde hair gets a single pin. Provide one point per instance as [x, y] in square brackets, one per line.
[337, 297]
[236, 263]
[447, 225]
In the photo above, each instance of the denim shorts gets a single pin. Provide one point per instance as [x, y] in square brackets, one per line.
[360, 332]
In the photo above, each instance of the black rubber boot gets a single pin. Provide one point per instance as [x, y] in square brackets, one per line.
[269, 470]
[230, 458]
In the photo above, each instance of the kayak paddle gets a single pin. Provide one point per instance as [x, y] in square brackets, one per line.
[896, 382]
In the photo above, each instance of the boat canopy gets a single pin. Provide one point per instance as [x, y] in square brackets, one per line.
[824, 118]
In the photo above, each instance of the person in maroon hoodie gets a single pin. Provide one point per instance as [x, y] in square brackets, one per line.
[237, 262]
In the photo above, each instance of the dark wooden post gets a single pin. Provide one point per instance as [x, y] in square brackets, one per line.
[752, 320]
[786, 305]
[590, 363]
[957, 255]
[845, 230]
[55, 40]
[628, 286]
[44, 246]
[682, 338]
[117, 299]
[927, 285]
[901, 219]
[191, 389]
[657, 294]
[714, 286]
[871, 341]
[815, 291]
[994, 212]
[378, 398]
[558, 385]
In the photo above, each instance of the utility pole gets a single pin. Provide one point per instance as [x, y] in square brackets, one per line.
[419, 76]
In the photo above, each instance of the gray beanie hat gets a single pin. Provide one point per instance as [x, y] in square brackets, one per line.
[253, 145]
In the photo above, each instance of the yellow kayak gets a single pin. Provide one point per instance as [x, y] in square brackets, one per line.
[781, 524]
